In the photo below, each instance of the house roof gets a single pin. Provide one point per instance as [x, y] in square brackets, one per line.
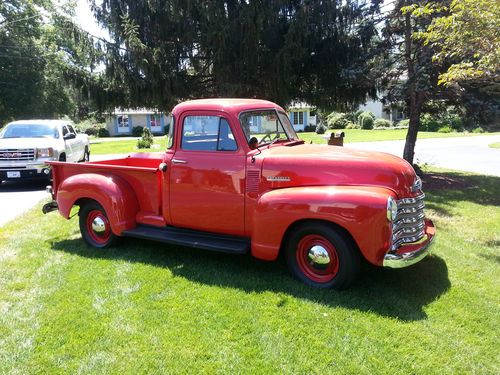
[299, 105]
[135, 111]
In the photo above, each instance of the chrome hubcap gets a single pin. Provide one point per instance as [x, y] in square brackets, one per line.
[318, 256]
[98, 225]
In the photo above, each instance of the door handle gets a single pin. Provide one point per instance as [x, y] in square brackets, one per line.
[179, 161]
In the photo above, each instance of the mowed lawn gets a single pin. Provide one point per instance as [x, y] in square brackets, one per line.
[144, 307]
[99, 146]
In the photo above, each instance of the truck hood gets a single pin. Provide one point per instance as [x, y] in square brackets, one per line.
[316, 165]
[13, 143]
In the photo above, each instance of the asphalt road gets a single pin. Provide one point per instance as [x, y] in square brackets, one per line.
[18, 197]
[467, 154]
[470, 154]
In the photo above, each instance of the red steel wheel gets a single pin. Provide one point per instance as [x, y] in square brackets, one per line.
[95, 226]
[317, 258]
[322, 256]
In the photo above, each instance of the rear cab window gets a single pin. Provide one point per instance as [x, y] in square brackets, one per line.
[207, 133]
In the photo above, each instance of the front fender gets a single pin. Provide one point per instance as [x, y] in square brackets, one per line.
[362, 211]
[113, 193]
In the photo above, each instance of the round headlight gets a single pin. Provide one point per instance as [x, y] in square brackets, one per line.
[392, 209]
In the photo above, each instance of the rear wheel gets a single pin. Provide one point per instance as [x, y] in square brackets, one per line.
[322, 256]
[95, 226]
[62, 157]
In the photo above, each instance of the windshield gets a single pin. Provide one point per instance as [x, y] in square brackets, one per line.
[29, 131]
[267, 126]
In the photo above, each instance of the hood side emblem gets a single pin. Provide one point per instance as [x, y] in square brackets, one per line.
[278, 178]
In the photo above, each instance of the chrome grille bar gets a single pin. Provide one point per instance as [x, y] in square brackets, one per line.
[409, 225]
[19, 154]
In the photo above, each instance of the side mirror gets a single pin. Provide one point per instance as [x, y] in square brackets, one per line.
[69, 136]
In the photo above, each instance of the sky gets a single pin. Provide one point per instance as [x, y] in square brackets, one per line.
[85, 18]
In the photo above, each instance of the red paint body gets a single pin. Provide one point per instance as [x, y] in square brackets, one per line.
[228, 192]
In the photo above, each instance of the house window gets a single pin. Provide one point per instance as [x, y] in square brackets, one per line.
[298, 118]
[155, 122]
[207, 133]
[122, 123]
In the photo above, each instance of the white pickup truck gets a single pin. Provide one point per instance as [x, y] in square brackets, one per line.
[26, 146]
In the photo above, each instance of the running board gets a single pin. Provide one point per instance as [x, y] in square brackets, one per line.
[191, 238]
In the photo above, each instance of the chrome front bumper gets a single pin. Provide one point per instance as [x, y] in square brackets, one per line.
[411, 253]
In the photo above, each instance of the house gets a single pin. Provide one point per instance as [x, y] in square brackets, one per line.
[121, 121]
[302, 115]
[392, 112]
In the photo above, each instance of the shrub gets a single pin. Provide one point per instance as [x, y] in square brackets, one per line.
[146, 139]
[310, 128]
[137, 131]
[478, 130]
[320, 129]
[382, 123]
[352, 125]
[365, 120]
[356, 115]
[93, 130]
[336, 120]
[102, 132]
[429, 123]
[445, 129]
[403, 124]
[141, 143]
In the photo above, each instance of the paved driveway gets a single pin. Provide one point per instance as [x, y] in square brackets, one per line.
[18, 197]
[470, 154]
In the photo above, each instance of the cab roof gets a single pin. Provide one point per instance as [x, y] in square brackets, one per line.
[231, 105]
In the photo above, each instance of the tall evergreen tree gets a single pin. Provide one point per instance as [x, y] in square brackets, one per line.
[312, 50]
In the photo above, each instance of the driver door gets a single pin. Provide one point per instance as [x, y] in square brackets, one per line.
[207, 176]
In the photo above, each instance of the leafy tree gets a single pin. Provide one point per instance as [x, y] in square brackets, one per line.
[317, 51]
[45, 60]
[467, 35]
[410, 75]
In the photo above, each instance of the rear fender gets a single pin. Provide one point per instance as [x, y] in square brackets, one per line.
[361, 211]
[113, 193]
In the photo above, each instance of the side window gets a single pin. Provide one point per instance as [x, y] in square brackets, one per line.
[71, 130]
[65, 130]
[207, 133]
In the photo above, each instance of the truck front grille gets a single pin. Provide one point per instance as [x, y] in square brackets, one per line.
[409, 225]
[20, 154]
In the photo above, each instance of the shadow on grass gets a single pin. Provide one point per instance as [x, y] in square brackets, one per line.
[445, 190]
[401, 294]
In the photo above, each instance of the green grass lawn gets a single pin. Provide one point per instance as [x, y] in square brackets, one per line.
[144, 307]
[125, 146]
[495, 145]
[351, 135]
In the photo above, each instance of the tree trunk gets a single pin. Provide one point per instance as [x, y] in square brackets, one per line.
[411, 136]
[415, 98]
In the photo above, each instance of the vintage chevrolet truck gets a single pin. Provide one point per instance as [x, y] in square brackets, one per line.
[236, 178]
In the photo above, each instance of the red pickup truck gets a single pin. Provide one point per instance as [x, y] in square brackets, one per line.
[236, 178]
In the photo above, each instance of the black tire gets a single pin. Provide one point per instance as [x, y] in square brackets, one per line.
[62, 157]
[95, 226]
[86, 155]
[336, 259]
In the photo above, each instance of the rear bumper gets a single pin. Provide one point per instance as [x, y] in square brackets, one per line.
[411, 253]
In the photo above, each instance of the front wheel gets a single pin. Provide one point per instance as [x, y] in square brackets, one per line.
[95, 226]
[86, 155]
[321, 256]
